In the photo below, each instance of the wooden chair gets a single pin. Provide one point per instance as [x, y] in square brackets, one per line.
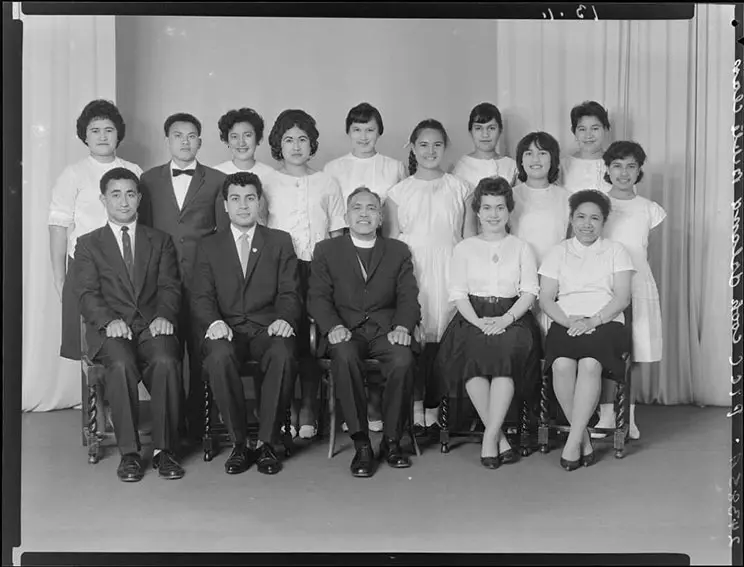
[93, 410]
[622, 404]
[215, 431]
[328, 391]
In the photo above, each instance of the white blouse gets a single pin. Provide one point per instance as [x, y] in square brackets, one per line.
[378, 173]
[503, 268]
[260, 169]
[540, 216]
[578, 174]
[76, 197]
[473, 169]
[585, 274]
[309, 208]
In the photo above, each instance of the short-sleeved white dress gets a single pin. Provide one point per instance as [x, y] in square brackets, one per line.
[578, 174]
[629, 223]
[473, 169]
[430, 217]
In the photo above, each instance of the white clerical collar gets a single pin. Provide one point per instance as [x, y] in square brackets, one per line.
[363, 243]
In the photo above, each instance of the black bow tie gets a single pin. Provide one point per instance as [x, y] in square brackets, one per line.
[189, 172]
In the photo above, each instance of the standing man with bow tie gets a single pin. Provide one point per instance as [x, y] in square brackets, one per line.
[130, 296]
[184, 198]
[246, 304]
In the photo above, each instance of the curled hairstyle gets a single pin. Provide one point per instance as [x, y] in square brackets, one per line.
[233, 117]
[624, 150]
[103, 109]
[287, 120]
[496, 187]
[590, 196]
[428, 124]
[243, 179]
[483, 113]
[118, 173]
[182, 117]
[589, 108]
[363, 189]
[363, 113]
[543, 141]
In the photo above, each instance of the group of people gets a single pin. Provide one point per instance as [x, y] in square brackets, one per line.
[500, 264]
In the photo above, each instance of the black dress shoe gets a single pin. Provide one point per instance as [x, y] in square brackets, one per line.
[267, 461]
[167, 465]
[240, 460]
[130, 468]
[363, 463]
[491, 462]
[390, 451]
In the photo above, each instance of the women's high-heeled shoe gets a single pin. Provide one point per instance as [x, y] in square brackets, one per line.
[491, 462]
[509, 456]
[570, 465]
[591, 458]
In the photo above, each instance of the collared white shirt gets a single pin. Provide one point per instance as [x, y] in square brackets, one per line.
[237, 233]
[181, 183]
[116, 228]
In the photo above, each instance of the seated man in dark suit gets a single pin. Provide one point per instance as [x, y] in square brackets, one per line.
[364, 298]
[130, 295]
[246, 304]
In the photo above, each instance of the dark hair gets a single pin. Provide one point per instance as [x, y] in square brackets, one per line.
[589, 108]
[242, 178]
[359, 190]
[543, 141]
[495, 186]
[428, 124]
[287, 120]
[118, 173]
[233, 117]
[484, 112]
[363, 113]
[181, 117]
[590, 196]
[100, 108]
[623, 150]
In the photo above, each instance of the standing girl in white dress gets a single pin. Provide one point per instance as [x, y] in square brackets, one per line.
[363, 166]
[585, 169]
[308, 205]
[430, 211]
[630, 222]
[242, 131]
[541, 208]
[485, 127]
[76, 208]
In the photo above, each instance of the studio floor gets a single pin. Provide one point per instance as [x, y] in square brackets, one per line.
[669, 494]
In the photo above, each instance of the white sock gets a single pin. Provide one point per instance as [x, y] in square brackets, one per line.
[607, 413]
[155, 452]
[431, 416]
[418, 412]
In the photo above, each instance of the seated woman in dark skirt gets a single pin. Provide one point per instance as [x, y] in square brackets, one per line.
[489, 342]
[584, 289]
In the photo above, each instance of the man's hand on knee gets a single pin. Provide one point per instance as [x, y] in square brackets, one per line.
[161, 326]
[399, 336]
[118, 329]
[280, 328]
[219, 330]
[339, 334]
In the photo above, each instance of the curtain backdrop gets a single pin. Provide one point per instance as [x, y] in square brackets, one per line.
[666, 84]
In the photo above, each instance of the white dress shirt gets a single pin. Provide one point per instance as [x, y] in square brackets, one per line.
[116, 228]
[181, 183]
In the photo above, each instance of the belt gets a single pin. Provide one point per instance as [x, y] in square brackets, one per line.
[493, 299]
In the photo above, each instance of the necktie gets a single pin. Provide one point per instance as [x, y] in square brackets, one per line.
[189, 172]
[245, 250]
[128, 257]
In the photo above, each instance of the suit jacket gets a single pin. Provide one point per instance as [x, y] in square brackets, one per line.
[339, 294]
[268, 292]
[106, 292]
[203, 211]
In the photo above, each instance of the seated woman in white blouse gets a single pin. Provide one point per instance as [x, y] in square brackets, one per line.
[584, 289]
[489, 342]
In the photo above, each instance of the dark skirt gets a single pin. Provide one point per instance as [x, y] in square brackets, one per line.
[71, 345]
[606, 344]
[465, 351]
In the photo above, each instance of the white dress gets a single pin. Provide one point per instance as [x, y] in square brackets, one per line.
[430, 216]
[629, 223]
[378, 173]
[473, 169]
[578, 174]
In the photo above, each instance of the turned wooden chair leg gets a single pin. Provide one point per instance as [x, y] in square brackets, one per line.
[93, 441]
[207, 441]
[621, 420]
[287, 437]
[444, 425]
[524, 428]
[543, 433]
[331, 415]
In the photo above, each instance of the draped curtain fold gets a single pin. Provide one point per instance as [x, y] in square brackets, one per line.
[666, 85]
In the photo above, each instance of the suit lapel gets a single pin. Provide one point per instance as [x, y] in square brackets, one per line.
[168, 183]
[377, 253]
[257, 247]
[197, 180]
[349, 251]
[142, 252]
[112, 253]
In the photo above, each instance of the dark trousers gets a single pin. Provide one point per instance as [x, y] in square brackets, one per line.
[191, 340]
[397, 365]
[155, 361]
[276, 356]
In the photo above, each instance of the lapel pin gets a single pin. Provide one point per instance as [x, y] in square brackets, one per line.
[254, 250]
